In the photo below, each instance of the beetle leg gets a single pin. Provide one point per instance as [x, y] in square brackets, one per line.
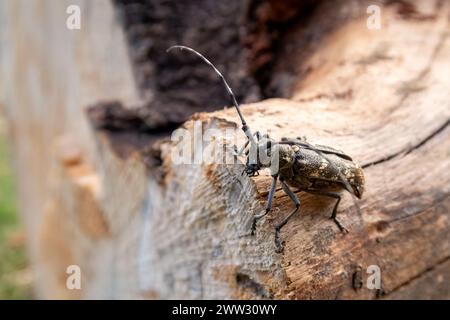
[331, 195]
[296, 200]
[269, 203]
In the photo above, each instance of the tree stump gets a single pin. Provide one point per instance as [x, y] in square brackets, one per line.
[90, 115]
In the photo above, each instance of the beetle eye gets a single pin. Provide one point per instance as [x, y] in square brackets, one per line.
[269, 144]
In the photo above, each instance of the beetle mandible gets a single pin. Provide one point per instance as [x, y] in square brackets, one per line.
[315, 169]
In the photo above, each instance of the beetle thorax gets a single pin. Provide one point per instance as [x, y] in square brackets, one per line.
[286, 155]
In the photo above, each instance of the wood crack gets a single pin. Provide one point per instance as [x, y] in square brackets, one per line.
[418, 276]
[410, 149]
[437, 202]
[413, 86]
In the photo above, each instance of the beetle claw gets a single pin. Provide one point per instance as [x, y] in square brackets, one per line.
[253, 230]
[279, 247]
[279, 244]
[340, 226]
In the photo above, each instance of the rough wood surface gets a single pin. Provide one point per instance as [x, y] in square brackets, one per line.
[49, 75]
[140, 226]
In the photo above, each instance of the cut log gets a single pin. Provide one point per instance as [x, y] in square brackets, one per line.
[100, 189]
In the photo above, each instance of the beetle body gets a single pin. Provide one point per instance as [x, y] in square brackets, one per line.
[315, 169]
[304, 168]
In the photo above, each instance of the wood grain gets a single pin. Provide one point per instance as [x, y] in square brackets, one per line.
[111, 200]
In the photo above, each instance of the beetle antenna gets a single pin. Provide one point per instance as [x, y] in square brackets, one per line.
[245, 127]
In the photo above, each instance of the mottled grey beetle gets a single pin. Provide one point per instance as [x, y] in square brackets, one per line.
[314, 169]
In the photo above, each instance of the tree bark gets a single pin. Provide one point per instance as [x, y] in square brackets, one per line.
[99, 189]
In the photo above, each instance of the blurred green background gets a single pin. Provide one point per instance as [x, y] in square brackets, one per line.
[15, 275]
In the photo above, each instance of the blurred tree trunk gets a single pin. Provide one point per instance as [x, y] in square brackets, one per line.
[90, 113]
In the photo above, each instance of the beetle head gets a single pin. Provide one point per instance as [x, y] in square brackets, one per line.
[260, 154]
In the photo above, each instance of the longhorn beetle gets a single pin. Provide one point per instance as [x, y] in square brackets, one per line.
[314, 169]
